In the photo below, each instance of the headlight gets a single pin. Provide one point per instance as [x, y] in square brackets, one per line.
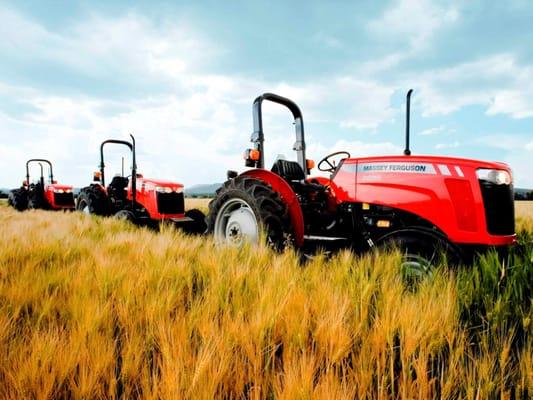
[168, 189]
[495, 176]
[62, 191]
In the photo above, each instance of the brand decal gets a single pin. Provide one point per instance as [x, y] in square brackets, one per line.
[398, 167]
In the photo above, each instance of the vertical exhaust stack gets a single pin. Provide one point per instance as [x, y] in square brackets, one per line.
[42, 175]
[133, 174]
[407, 151]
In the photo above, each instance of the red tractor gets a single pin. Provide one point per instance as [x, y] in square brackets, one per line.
[427, 206]
[137, 199]
[39, 194]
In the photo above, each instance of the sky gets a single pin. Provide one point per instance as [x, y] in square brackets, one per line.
[182, 76]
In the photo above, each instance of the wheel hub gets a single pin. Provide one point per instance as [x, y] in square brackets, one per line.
[236, 224]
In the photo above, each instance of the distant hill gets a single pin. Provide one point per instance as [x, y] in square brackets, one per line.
[202, 190]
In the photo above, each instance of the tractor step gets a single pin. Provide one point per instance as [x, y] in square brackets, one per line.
[324, 238]
[182, 219]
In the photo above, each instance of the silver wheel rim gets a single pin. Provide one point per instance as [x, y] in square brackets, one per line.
[236, 224]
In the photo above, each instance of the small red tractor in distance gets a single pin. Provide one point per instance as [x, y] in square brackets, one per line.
[40, 194]
[137, 199]
[427, 206]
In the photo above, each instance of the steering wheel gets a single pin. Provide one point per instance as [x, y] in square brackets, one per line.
[330, 164]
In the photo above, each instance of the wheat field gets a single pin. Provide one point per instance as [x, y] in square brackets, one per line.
[94, 308]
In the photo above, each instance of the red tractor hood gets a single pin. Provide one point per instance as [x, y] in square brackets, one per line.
[151, 184]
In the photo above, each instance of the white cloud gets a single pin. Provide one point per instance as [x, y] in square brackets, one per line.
[517, 102]
[514, 149]
[328, 40]
[109, 47]
[356, 148]
[520, 163]
[432, 131]
[193, 138]
[415, 20]
[368, 102]
[506, 141]
[447, 145]
[496, 82]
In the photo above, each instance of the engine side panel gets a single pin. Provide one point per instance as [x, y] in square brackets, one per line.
[444, 191]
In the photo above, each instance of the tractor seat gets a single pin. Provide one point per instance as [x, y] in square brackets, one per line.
[119, 183]
[288, 170]
[293, 173]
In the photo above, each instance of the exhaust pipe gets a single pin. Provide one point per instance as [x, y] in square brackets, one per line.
[407, 151]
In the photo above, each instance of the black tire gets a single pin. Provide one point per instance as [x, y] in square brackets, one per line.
[125, 215]
[198, 224]
[18, 199]
[92, 200]
[269, 210]
[422, 251]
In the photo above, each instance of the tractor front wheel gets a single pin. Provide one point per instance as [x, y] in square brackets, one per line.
[422, 251]
[18, 199]
[197, 226]
[92, 200]
[243, 208]
[125, 215]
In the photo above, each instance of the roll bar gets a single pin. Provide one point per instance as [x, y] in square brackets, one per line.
[39, 160]
[258, 136]
[131, 146]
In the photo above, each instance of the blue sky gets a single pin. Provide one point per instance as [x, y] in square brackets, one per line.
[182, 76]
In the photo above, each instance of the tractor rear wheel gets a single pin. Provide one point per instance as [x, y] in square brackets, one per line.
[92, 200]
[422, 251]
[243, 208]
[197, 226]
[18, 199]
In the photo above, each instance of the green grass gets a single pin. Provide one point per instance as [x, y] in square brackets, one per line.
[95, 308]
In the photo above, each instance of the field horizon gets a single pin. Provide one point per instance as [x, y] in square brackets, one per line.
[96, 308]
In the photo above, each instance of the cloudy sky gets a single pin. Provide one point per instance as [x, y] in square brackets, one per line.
[182, 76]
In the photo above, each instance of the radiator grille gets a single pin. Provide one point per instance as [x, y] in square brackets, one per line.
[64, 199]
[498, 201]
[170, 203]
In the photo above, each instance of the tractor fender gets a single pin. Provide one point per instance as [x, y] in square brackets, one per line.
[286, 193]
[100, 187]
